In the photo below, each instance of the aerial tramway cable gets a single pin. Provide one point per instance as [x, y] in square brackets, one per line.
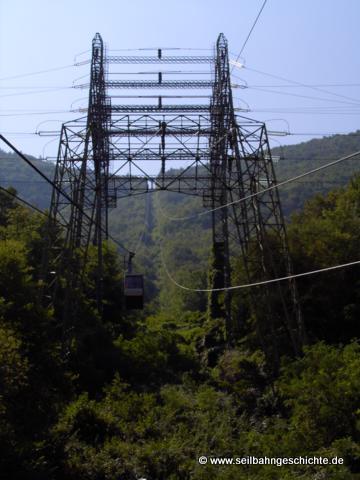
[276, 185]
[265, 282]
[28, 204]
[64, 194]
[255, 284]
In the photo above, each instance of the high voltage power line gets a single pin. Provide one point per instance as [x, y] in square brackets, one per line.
[307, 85]
[34, 92]
[275, 186]
[236, 287]
[30, 74]
[321, 99]
[301, 84]
[25, 202]
[254, 284]
[224, 134]
[55, 187]
[250, 32]
[34, 114]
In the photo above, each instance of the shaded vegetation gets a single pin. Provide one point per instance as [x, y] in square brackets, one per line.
[144, 395]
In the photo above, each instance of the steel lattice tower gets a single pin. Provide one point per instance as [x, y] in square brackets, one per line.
[108, 154]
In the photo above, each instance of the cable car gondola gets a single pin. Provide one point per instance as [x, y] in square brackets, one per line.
[134, 291]
[133, 288]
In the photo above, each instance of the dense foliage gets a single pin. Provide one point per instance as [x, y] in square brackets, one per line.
[143, 395]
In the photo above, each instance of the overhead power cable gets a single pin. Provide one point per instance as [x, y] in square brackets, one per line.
[323, 134]
[22, 75]
[25, 202]
[319, 85]
[255, 284]
[157, 48]
[33, 114]
[288, 94]
[308, 111]
[59, 190]
[11, 180]
[34, 92]
[280, 184]
[250, 32]
[144, 228]
[353, 103]
[42, 87]
[300, 84]
[20, 133]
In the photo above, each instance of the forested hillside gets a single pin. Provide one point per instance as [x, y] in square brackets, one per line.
[30, 186]
[186, 243]
[294, 159]
[145, 394]
[186, 253]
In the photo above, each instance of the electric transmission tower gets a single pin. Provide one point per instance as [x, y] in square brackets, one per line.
[113, 152]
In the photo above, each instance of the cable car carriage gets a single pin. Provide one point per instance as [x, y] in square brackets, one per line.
[134, 291]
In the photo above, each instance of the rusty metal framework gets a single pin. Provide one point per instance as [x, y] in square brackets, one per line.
[127, 148]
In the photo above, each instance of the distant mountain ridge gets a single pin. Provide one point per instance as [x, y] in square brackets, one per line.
[186, 245]
[294, 159]
[16, 173]
[305, 156]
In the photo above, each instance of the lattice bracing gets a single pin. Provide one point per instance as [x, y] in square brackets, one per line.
[127, 148]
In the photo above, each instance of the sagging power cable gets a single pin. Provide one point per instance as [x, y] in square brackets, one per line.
[59, 190]
[45, 71]
[25, 202]
[254, 284]
[293, 82]
[276, 185]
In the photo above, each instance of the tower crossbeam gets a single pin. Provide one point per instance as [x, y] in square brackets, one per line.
[110, 154]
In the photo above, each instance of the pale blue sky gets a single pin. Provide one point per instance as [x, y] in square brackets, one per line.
[310, 41]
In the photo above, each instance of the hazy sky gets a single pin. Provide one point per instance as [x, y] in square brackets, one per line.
[313, 42]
